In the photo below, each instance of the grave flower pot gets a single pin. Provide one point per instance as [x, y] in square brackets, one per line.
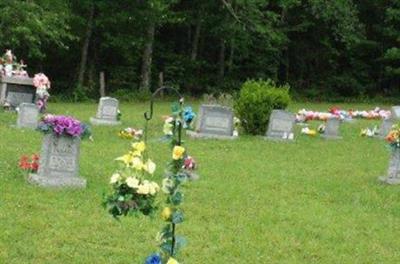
[59, 162]
[393, 173]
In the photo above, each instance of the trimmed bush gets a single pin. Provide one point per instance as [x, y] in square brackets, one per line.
[256, 101]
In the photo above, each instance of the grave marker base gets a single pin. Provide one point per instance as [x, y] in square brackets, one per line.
[105, 122]
[195, 135]
[74, 182]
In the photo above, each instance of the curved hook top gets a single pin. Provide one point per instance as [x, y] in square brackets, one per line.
[148, 116]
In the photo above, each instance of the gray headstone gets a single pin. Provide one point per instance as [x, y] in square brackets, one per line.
[332, 129]
[17, 94]
[395, 112]
[281, 125]
[107, 112]
[28, 116]
[393, 173]
[216, 120]
[385, 127]
[16, 91]
[59, 163]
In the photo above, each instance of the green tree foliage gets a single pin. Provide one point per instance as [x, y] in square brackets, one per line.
[323, 49]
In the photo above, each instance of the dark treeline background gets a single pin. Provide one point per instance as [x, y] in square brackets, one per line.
[322, 48]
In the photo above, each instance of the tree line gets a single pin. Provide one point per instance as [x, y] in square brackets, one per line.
[321, 48]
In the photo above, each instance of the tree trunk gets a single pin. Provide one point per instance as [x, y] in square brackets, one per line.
[147, 58]
[102, 85]
[85, 47]
[221, 60]
[195, 43]
[231, 55]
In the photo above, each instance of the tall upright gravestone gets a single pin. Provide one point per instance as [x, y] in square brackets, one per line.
[393, 173]
[16, 90]
[59, 163]
[28, 115]
[281, 125]
[107, 112]
[332, 129]
[214, 122]
[385, 127]
[395, 112]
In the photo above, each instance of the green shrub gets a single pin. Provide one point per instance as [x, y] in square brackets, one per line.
[256, 101]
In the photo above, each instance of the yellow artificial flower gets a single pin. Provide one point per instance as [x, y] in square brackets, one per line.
[115, 178]
[177, 152]
[139, 146]
[127, 159]
[132, 182]
[172, 261]
[166, 214]
[149, 166]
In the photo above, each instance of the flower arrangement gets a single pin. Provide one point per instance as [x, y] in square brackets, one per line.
[188, 117]
[367, 132]
[393, 138]
[29, 163]
[308, 131]
[10, 67]
[42, 84]
[61, 125]
[130, 133]
[179, 170]
[306, 115]
[132, 192]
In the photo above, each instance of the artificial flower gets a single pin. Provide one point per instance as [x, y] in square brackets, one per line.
[132, 182]
[144, 188]
[136, 163]
[167, 185]
[189, 163]
[172, 261]
[153, 259]
[115, 178]
[167, 129]
[177, 152]
[139, 146]
[166, 214]
[149, 166]
[153, 188]
[127, 159]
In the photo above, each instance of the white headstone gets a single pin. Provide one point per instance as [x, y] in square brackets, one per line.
[107, 112]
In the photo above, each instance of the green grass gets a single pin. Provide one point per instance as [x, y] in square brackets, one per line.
[311, 201]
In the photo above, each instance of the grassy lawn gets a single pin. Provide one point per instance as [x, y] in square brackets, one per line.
[311, 201]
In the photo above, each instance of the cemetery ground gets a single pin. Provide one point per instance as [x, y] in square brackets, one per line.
[308, 201]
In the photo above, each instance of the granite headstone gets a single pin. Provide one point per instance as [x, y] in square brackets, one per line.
[214, 122]
[332, 129]
[281, 125]
[59, 163]
[28, 115]
[107, 112]
[393, 173]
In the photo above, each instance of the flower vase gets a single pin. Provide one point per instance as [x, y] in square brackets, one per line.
[393, 173]
[59, 163]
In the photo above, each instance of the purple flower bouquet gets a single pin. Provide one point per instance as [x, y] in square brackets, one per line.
[63, 126]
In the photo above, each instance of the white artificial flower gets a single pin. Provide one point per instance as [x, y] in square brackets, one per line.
[115, 178]
[167, 184]
[132, 182]
[150, 166]
[144, 188]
